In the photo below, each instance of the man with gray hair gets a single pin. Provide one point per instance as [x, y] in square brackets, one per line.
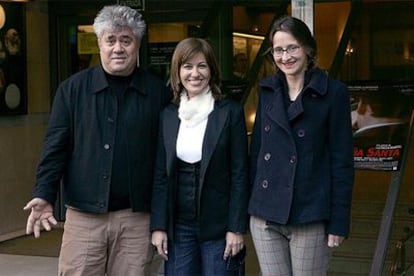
[100, 144]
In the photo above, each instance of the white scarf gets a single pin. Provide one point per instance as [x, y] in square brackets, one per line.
[196, 109]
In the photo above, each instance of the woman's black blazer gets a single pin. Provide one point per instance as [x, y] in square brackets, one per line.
[222, 202]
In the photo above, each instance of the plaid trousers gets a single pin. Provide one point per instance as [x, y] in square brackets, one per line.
[286, 250]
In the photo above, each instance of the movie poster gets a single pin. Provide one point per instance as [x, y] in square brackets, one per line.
[12, 60]
[380, 118]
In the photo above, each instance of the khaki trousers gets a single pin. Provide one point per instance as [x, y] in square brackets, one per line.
[116, 243]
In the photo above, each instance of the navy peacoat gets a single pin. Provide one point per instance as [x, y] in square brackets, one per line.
[302, 156]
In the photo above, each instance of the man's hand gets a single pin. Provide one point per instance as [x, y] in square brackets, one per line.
[160, 241]
[41, 216]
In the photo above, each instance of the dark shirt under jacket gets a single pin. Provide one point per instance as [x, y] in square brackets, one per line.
[302, 154]
[81, 140]
[119, 191]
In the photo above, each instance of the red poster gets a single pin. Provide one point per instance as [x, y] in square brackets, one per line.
[380, 117]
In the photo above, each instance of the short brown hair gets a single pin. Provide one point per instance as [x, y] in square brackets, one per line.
[185, 50]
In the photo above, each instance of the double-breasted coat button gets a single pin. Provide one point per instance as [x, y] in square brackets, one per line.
[265, 184]
[267, 128]
[292, 159]
[107, 146]
[267, 156]
[301, 133]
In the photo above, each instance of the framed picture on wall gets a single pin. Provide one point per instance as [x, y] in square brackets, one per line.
[393, 47]
[13, 93]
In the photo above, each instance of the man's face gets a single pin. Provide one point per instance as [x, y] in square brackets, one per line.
[119, 51]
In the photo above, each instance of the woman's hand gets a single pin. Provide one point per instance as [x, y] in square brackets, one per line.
[334, 241]
[234, 243]
[159, 239]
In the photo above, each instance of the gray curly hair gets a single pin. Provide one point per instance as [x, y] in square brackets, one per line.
[116, 17]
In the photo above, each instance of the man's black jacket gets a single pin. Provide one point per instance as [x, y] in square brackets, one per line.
[78, 147]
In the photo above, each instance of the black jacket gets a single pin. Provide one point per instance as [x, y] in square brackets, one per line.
[223, 196]
[81, 134]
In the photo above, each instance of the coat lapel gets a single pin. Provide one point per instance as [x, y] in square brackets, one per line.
[295, 109]
[215, 125]
[171, 125]
[275, 109]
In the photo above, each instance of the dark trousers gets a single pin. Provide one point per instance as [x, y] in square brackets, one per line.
[187, 255]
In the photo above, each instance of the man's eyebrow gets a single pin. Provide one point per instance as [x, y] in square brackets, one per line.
[126, 36]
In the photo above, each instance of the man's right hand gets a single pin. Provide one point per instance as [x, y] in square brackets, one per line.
[41, 216]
